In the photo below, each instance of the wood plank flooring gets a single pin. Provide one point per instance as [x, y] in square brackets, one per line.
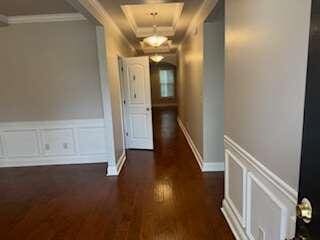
[159, 195]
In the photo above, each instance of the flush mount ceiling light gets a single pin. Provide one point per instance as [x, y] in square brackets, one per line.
[155, 40]
[156, 58]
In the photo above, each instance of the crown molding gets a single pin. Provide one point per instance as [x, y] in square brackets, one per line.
[46, 18]
[141, 32]
[97, 10]
[201, 15]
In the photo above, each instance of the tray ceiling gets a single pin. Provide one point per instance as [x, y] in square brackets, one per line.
[134, 20]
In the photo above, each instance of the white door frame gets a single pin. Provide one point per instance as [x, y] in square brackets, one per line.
[122, 100]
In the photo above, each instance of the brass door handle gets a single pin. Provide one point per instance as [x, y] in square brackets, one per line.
[304, 210]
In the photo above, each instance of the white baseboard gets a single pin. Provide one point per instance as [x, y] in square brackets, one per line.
[234, 225]
[191, 144]
[213, 167]
[112, 171]
[204, 166]
[115, 170]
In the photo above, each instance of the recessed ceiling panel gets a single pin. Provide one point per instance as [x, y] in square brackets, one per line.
[141, 21]
[136, 28]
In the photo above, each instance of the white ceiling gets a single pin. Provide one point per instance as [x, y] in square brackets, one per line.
[134, 24]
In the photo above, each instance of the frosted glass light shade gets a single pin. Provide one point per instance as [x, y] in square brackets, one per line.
[155, 40]
[156, 58]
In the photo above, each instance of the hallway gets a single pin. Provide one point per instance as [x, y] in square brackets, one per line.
[160, 195]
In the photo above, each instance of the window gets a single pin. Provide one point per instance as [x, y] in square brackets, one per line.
[166, 83]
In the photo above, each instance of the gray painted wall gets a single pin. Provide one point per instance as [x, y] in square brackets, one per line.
[213, 80]
[49, 71]
[190, 90]
[265, 67]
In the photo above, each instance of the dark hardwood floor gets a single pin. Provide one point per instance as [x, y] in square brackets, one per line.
[160, 195]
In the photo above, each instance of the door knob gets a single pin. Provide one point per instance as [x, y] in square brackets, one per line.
[148, 109]
[304, 210]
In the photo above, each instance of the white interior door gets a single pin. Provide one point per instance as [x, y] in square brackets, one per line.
[137, 103]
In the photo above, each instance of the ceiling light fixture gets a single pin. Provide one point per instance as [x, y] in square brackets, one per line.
[155, 40]
[156, 58]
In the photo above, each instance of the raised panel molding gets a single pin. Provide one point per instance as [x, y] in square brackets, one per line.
[58, 141]
[53, 142]
[21, 143]
[268, 202]
[91, 140]
[265, 212]
[238, 179]
[1, 147]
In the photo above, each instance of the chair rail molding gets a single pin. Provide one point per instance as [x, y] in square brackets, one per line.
[256, 200]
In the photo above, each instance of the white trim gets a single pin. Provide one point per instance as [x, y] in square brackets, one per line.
[96, 122]
[204, 166]
[282, 207]
[235, 226]
[147, 31]
[42, 161]
[291, 193]
[43, 18]
[191, 144]
[69, 134]
[112, 171]
[164, 105]
[115, 170]
[121, 162]
[241, 218]
[105, 93]
[213, 167]
[206, 7]
[97, 10]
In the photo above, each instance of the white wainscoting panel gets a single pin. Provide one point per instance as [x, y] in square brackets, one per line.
[258, 205]
[1, 147]
[235, 189]
[92, 140]
[21, 143]
[53, 142]
[262, 224]
[58, 142]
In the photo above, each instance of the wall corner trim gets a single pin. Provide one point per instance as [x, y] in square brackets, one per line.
[42, 18]
[115, 170]
[291, 193]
